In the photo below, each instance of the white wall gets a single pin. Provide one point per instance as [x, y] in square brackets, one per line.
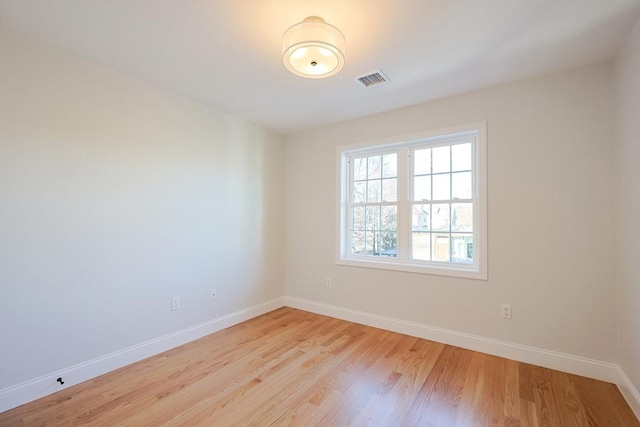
[116, 196]
[627, 196]
[550, 215]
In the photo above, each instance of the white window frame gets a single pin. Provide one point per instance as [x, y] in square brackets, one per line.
[403, 145]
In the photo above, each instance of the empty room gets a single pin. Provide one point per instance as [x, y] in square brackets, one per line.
[383, 213]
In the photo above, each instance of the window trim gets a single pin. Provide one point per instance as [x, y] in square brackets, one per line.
[477, 270]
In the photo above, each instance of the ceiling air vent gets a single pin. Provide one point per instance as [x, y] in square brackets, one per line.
[372, 79]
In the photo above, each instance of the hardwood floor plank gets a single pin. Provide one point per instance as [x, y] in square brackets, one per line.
[545, 398]
[472, 405]
[294, 368]
[512, 400]
[529, 414]
[571, 412]
[495, 372]
[438, 400]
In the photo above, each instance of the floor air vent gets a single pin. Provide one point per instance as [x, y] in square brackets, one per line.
[372, 79]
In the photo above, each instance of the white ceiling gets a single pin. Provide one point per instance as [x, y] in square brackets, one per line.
[227, 54]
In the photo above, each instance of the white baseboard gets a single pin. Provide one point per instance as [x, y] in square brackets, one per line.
[629, 391]
[549, 359]
[36, 388]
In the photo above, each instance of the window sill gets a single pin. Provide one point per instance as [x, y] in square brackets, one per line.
[444, 270]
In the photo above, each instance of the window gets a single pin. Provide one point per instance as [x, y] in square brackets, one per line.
[416, 204]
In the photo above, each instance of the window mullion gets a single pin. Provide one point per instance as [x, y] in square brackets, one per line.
[348, 215]
[450, 202]
[404, 208]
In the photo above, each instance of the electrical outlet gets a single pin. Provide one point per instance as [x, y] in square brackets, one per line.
[328, 284]
[506, 311]
[214, 294]
[175, 303]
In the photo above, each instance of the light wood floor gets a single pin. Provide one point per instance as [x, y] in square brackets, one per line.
[290, 367]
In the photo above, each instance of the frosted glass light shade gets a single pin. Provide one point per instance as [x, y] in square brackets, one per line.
[313, 49]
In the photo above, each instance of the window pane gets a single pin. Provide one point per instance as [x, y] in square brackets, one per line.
[422, 161]
[372, 218]
[422, 188]
[421, 220]
[390, 165]
[441, 187]
[374, 191]
[368, 243]
[461, 157]
[389, 218]
[440, 217]
[462, 248]
[357, 218]
[357, 242]
[441, 159]
[359, 192]
[375, 168]
[440, 245]
[376, 243]
[461, 183]
[462, 217]
[389, 190]
[388, 245]
[420, 246]
[359, 169]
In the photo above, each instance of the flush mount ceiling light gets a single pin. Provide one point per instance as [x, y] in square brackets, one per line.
[313, 49]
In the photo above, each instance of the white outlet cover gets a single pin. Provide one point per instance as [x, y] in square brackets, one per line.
[506, 311]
